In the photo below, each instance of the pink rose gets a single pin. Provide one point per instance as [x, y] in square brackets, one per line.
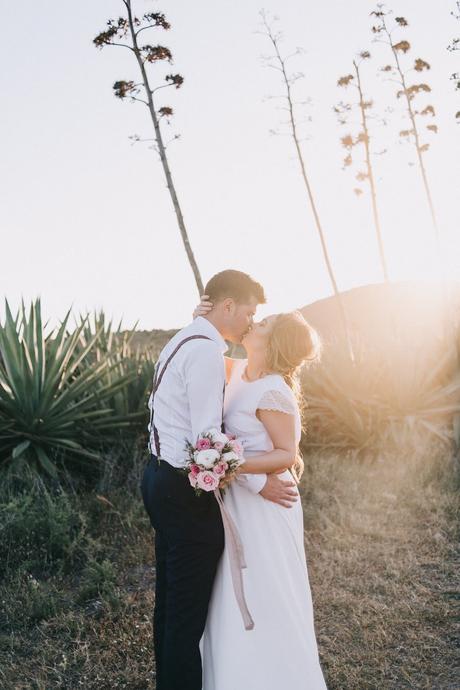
[231, 437]
[192, 479]
[207, 481]
[237, 448]
[203, 444]
[220, 469]
[194, 469]
[218, 446]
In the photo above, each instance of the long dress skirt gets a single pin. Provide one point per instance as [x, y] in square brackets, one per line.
[281, 651]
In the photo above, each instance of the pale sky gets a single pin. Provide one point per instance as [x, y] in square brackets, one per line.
[86, 219]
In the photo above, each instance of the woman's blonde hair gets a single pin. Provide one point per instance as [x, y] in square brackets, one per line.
[291, 343]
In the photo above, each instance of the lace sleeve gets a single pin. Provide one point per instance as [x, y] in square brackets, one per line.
[277, 401]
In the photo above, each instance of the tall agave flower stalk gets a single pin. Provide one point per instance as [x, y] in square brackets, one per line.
[408, 92]
[363, 138]
[124, 32]
[279, 62]
[453, 46]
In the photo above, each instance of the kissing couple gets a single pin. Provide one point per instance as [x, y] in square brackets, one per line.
[201, 640]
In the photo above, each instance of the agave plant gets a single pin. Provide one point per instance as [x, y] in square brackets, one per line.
[424, 392]
[342, 408]
[115, 346]
[54, 395]
[381, 395]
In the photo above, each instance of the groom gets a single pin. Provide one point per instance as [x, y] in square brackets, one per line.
[187, 399]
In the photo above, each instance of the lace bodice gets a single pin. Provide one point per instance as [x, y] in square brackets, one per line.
[243, 399]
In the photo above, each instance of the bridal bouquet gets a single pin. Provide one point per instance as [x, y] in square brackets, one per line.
[213, 460]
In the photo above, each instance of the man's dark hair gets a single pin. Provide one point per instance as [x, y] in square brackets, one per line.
[235, 284]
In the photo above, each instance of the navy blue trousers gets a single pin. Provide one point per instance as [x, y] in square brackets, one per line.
[189, 540]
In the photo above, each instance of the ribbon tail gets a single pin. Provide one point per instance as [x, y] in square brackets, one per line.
[237, 560]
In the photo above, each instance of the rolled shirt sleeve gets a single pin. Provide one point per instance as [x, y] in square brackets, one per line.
[252, 482]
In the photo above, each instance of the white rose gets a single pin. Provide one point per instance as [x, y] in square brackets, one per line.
[217, 436]
[230, 456]
[207, 458]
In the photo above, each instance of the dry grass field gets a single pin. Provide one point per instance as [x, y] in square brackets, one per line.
[382, 546]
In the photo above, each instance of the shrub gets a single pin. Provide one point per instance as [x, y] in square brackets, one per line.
[381, 397]
[62, 398]
[134, 363]
[27, 601]
[98, 582]
[40, 532]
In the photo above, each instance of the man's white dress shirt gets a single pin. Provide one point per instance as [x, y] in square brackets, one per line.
[190, 397]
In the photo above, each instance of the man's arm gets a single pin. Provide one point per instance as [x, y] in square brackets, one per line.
[270, 487]
[280, 491]
[252, 482]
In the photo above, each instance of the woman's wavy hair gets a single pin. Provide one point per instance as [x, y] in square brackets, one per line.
[292, 343]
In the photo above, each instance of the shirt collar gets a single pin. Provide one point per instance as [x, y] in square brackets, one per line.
[205, 327]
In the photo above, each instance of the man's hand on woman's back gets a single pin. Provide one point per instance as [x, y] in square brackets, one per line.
[280, 491]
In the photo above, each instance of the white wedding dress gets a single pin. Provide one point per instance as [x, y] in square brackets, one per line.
[281, 650]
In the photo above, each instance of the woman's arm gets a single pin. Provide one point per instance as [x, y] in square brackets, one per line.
[281, 429]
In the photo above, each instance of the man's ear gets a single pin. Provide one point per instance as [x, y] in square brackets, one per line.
[228, 305]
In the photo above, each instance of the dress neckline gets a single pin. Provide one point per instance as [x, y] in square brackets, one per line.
[243, 370]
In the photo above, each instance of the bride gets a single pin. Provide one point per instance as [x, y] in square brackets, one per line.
[261, 409]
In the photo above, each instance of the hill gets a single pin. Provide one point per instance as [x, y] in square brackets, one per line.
[375, 312]
[378, 312]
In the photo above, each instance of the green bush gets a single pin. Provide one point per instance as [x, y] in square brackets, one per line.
[27, 601]
[98, 582]
[40, 532]
[64, 396]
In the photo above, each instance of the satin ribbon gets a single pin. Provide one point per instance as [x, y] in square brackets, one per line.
[237, 560]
